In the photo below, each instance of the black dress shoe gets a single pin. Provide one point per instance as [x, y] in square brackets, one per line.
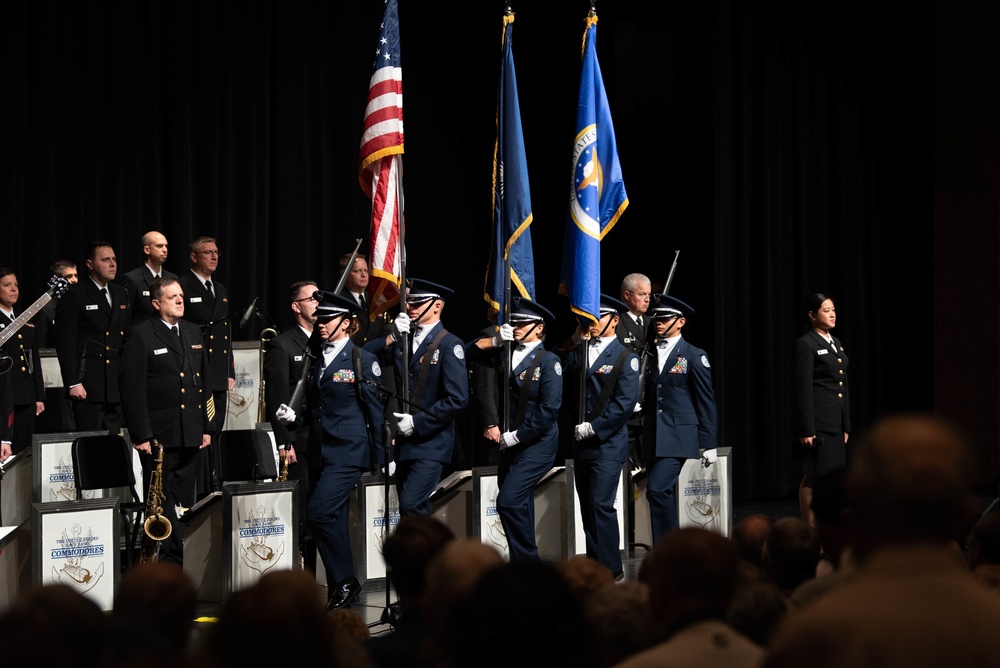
[344, 593]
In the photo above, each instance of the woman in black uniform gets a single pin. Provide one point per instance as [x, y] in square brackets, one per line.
[821, 414]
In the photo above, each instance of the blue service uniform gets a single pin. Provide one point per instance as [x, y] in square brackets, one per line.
[437, 397]
[340, 450]
[598, 461]
[679, 421]
[523, 465]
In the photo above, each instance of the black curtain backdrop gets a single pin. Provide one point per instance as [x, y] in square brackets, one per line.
[781, 146]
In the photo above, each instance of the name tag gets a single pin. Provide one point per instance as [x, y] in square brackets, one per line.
[822, 351]
[196, 300]
[160, 351]
[92, 307]
[297, 358]
[145, 293]
[195, 346]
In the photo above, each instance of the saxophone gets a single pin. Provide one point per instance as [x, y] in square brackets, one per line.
[156, 527]
[283, 476]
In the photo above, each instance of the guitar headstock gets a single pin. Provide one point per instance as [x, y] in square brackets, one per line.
[57, 286]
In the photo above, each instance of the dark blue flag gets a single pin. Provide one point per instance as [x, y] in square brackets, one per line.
[598, 195]
[511, 249]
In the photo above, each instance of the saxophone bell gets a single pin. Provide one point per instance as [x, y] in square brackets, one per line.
[157, 527]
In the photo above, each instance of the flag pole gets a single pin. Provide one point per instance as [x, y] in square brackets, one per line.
[507, 263]
[584, 366]
[401, 250]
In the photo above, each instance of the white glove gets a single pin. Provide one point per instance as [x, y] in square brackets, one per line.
[637, 408]
[400, 326]
[285, 414]
[582, 431]
[505, 333]
[392, 468]
[508, 439]
[405, 424]
[708, 458]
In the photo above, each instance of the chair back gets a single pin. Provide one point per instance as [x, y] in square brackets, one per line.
[246, 454]
[101, 462]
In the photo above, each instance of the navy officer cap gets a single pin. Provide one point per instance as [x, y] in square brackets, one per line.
[332, 305]
[419, 290]
[665, 306]
[525, 310]
[611, 305]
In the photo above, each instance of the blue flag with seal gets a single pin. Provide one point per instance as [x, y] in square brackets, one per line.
[598, 195]
[511, 254]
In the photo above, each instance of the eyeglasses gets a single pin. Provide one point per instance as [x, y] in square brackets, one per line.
[305, 299]
[210, 252]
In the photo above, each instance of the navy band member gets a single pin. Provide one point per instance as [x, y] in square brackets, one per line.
[92, 318]
[356, 287]
[164, 395]
[138, 283]
[283, 360]
[438, 391]
[600, 447]
[26, 384]
[679, 414]
[632, 322]
[44, 320]
[822, 414]
[6, 421]
[206, 305]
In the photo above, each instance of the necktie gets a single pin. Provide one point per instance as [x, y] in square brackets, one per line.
[363, 301]
[176, 331]
[104, 291]
[208, 286]
[638, 321]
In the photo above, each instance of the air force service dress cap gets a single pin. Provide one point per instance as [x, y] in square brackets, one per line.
[665, 306]
[332, 305]
[525, 310]
[611, 305]
[418, 290]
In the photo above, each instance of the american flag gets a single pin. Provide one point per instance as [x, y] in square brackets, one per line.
[381, 164]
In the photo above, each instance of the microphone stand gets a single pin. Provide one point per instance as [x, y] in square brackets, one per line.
[388, 616]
